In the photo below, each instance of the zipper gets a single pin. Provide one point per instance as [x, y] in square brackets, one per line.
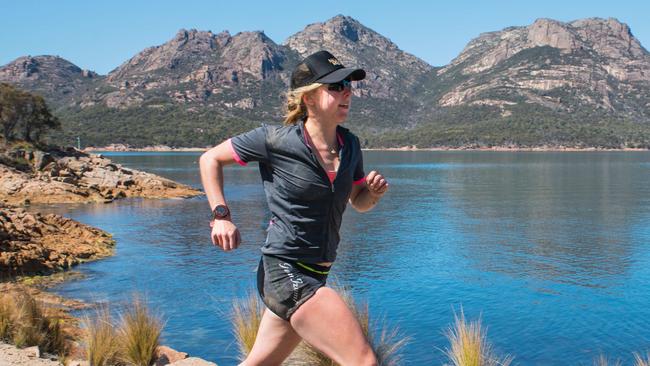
[322, 168]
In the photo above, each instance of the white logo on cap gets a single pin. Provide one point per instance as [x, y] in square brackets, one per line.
[334, 61]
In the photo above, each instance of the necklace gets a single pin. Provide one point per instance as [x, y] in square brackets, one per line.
[334, 150]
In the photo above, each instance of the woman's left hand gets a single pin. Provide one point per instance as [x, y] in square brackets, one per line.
[376, 183]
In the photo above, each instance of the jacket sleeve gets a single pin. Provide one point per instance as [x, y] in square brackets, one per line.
[250, 146]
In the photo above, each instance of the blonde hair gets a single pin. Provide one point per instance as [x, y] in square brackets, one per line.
[296, 108]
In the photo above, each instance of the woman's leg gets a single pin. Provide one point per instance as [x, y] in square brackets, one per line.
[274, 342]
[326, 322]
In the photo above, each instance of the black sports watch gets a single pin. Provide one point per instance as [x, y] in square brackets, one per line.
[220, 212]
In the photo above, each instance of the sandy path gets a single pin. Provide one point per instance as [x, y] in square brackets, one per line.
[12, 356]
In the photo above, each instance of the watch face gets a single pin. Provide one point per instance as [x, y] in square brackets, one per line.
[220, 211]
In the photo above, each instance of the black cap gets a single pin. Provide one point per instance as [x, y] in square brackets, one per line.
[322, 67]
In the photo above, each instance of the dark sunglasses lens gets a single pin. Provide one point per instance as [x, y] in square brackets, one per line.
[340, 86]
[335, 87]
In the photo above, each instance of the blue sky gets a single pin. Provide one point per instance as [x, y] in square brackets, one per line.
[101, 35]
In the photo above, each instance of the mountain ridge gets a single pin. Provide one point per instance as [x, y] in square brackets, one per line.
[587, 67]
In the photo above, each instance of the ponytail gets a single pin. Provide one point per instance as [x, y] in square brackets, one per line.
[296, 108]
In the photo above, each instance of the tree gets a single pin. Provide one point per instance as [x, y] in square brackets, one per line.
[24, 114]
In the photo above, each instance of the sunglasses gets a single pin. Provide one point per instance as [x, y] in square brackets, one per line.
[340, 86]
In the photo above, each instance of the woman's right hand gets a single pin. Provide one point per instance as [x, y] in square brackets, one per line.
[225, 235]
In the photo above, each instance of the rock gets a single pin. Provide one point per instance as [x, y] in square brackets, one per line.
[32, 352]
[193, 361]
[73, 176]
[166, 355]
[42, 159]
[34, 244]
[78, 363]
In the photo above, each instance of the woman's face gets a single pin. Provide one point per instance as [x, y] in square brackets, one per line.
[328, 104]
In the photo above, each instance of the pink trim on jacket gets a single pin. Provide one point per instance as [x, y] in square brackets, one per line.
[235, 155]
[359, 181]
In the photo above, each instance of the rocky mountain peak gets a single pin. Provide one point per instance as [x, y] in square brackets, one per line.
[346, 27]
[549, 32]
[610, 38]
[594, 63]
[197, 40]
[186, 48]
[607, 38]
[387, 67]
[253, 54]
[53, 77]
[31, 68]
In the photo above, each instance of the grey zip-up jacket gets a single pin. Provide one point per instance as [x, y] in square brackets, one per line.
[306, 207]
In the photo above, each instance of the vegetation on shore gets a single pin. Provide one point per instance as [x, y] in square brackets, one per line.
[133, 338]
[24, 115]
[469, 345]
[25, 322]
[131, 342]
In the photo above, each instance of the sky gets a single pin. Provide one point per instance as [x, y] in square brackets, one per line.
[101, 35]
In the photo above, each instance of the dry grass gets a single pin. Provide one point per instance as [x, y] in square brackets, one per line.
[24, 322]
[246, 317]
[602, 360]
[101, 342]
[469, 345]
[7, 309]
[639, 360]
[139, 334]
[386, 346]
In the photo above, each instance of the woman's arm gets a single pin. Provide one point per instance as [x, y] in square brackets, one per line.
[224, 233]
[366, 195]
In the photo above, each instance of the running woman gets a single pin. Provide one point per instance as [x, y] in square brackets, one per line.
[311, 168]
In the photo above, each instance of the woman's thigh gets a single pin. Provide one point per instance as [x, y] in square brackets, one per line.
[326, 322]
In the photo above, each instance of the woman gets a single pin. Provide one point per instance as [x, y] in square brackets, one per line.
[310, 168]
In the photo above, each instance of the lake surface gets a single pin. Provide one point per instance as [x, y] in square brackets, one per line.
[552, 250]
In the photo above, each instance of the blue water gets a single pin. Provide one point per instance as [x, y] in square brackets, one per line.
[551, 250]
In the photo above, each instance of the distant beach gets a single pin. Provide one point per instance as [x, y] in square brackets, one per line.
[164, 148]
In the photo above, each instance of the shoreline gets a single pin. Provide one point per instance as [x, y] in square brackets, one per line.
[159, 148]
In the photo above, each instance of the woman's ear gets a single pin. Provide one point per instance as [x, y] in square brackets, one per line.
[309, 98]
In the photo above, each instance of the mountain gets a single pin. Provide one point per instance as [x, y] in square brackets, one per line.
[194, 66]
[581, 83]
[591, 63]
[57, 79]
[391, 72]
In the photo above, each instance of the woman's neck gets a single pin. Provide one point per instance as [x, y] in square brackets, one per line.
[321, 133]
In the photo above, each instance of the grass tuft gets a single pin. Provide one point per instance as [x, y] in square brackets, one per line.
[24, 322]
[639, 360]
[602, 360]
[139, 334]
[246, 318]
[469, 345]
[7, 309]
[101, 341]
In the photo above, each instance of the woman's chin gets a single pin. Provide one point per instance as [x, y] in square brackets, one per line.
[342, 115]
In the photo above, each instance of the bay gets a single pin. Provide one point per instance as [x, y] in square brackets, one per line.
[550, 249]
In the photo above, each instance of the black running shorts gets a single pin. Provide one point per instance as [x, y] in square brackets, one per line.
[285, 285]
